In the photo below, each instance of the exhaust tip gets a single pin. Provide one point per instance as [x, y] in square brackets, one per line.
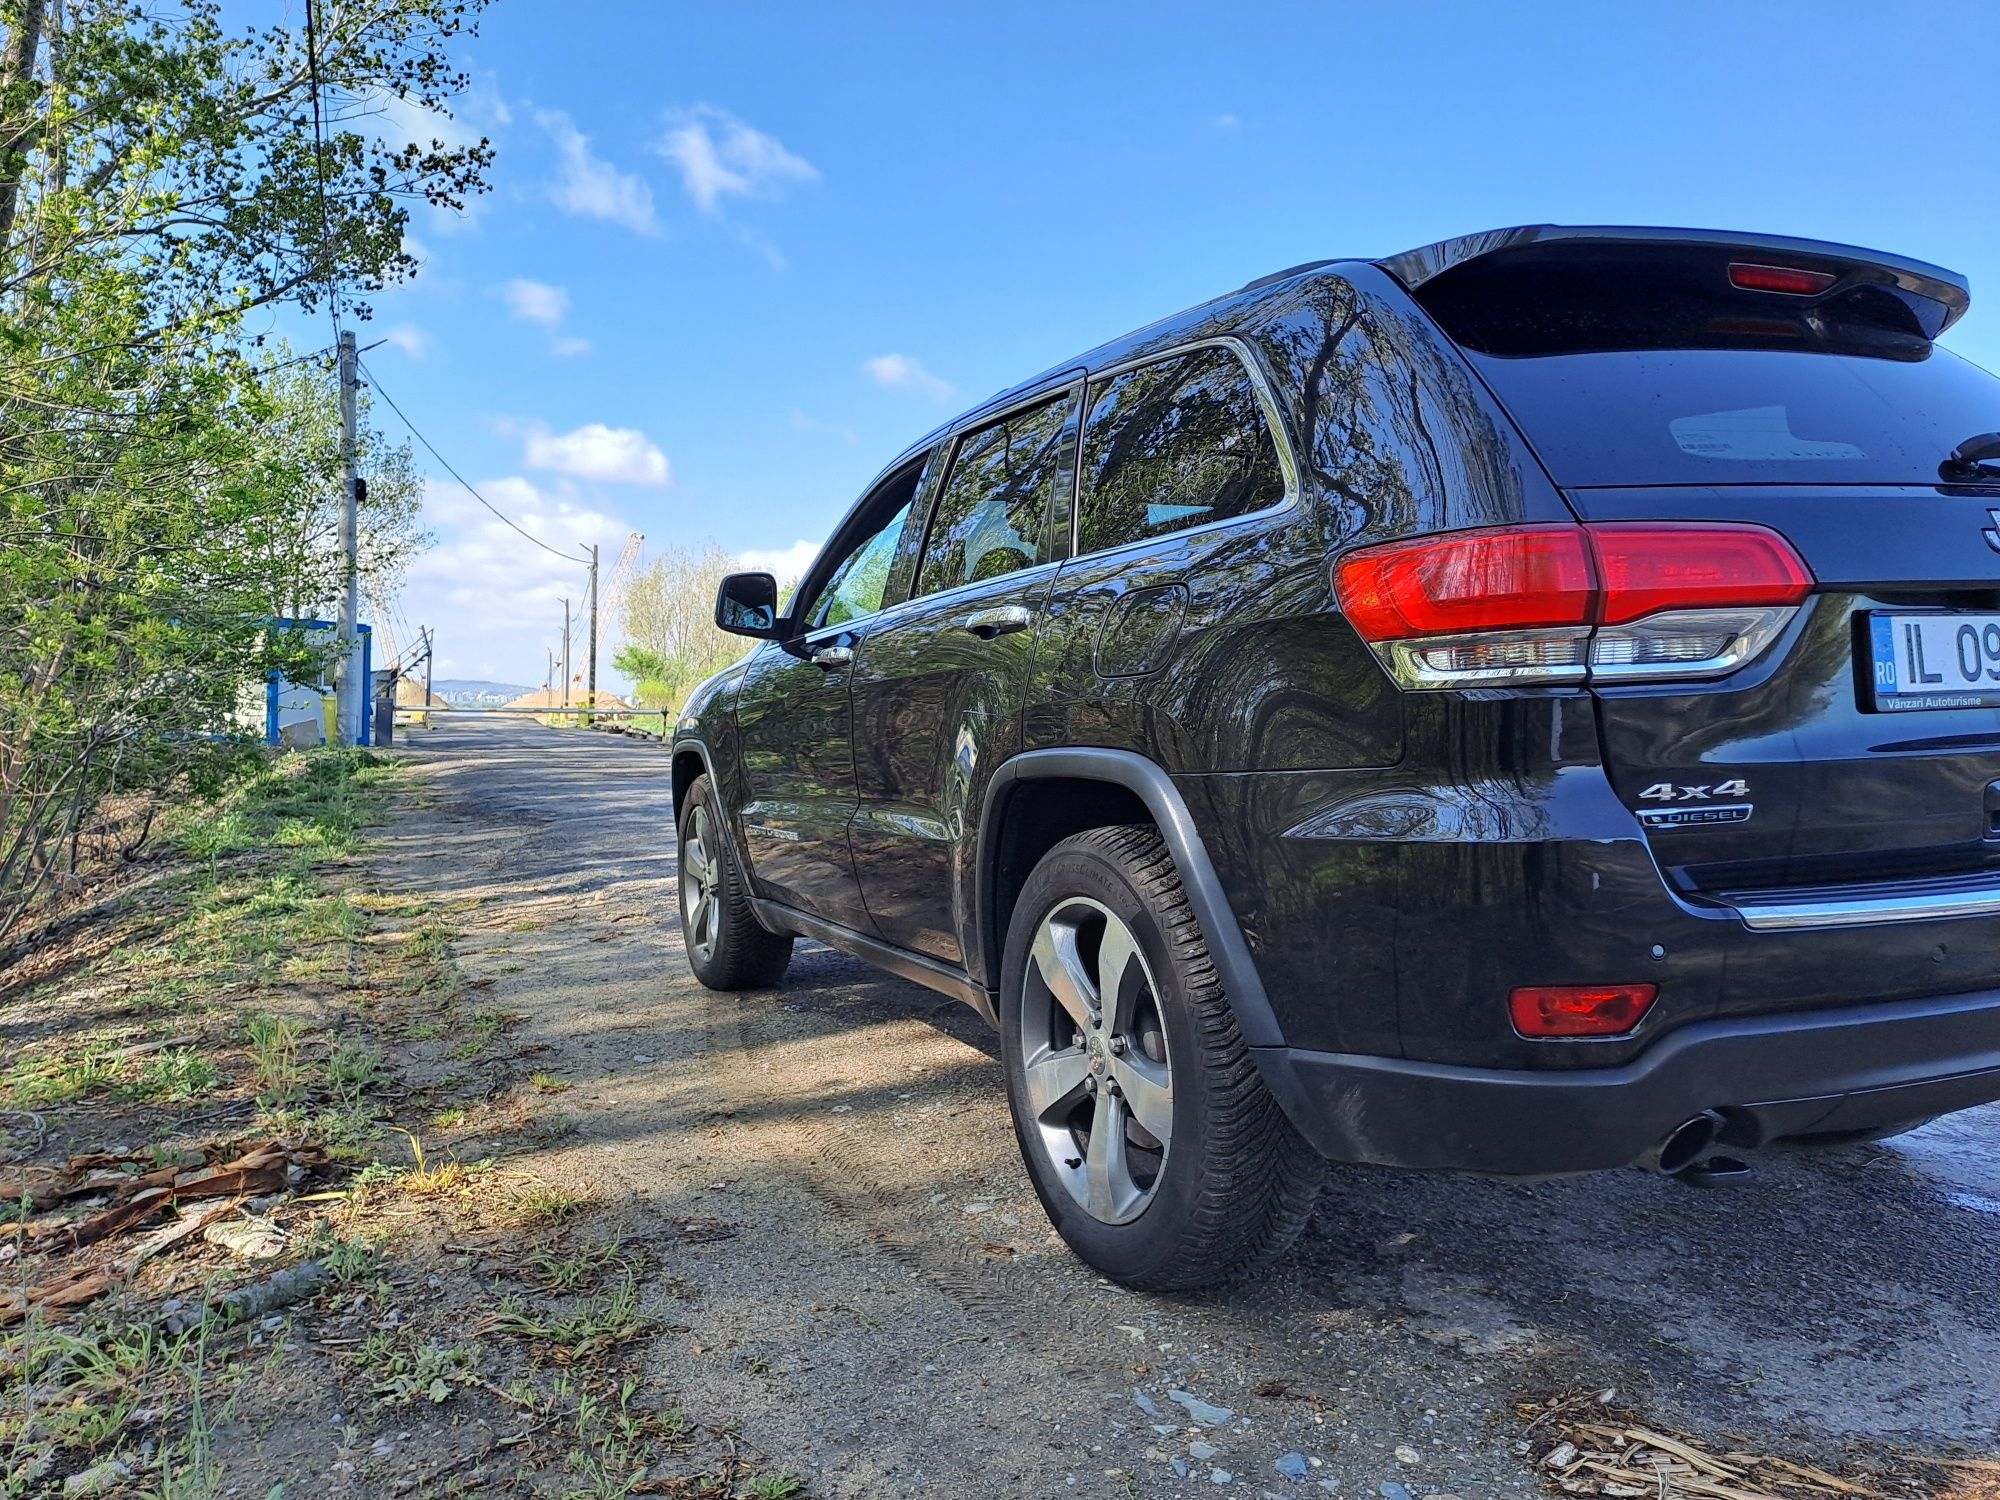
[1685, 1143]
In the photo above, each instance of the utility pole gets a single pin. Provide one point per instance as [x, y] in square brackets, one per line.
[351, 692]
[565, 702]
[590, 697]
[427, 671]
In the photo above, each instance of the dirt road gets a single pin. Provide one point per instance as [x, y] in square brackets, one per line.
[893, 1316]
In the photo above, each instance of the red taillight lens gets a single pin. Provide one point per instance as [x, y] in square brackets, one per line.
[1508, 578]
[1792, 279]
[1580, 1009]
[1645, 568]
[1613, 601]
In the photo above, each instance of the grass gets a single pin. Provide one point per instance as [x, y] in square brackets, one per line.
[243, 945]
[593, 1327]
[70, 1077]
[579, 1268]
[316, 802]
[47, 1083]
[274, 1058]
[546, 1203]
[181, 1073]
[353, 1068]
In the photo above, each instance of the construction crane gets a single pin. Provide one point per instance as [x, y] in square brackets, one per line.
[611, 598]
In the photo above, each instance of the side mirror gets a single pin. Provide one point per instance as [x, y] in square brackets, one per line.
[747, 604]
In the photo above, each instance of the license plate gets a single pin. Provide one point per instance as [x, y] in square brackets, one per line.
[1935, 661]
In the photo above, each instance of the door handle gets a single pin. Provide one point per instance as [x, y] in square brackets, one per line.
[832, 658]
[1005, 620]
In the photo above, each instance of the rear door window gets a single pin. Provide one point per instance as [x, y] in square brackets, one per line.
[1176, 443]
[994, 511]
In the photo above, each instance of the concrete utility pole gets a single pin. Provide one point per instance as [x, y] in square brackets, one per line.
[350, 686]
[590, 696]
[565, 702]
[428, 653]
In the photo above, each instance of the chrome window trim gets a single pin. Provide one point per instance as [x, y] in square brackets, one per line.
[1281, 438]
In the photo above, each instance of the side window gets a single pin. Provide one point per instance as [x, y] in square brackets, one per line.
[1171, 445]
[857, 586]
[992, 512]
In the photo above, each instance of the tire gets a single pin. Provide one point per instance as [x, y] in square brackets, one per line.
[731, 950]
[1221, 1182]
[1856, 1137]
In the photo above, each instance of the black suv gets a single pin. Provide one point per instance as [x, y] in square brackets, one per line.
[1527, 705]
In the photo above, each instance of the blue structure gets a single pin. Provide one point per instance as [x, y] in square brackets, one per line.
[275, 682]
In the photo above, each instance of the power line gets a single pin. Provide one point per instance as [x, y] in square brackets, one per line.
[463, 481]
[321, 353]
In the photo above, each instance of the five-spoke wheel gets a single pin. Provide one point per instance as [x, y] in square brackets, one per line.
[727, 947]
[1094, 1058]
[1146, 1129]
[699, 875]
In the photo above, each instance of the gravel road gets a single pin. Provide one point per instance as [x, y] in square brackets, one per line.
[894, 1317]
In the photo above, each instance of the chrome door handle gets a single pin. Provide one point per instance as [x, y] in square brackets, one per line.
[1005, 620]
[832, 658]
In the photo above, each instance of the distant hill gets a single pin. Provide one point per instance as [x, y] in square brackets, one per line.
[470, 692]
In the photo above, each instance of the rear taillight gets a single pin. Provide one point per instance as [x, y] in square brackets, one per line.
[1599, 1010]
[1611, 602]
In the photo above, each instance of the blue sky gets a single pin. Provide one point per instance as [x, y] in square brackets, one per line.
[736, 256]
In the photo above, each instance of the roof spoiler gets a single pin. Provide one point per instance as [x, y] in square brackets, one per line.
[1947, 292]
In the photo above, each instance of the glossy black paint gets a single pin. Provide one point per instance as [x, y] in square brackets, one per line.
[1381, 867]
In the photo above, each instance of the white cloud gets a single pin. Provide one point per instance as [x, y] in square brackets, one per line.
[591, 187]
[1224, 122]
[495, 598]
[409, 338]
[719, 156]
[899, 372]
[569, 348]
[786, 564]
[616, 455]
[536, 301]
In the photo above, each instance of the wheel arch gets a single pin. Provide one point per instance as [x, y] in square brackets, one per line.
[1121, 784]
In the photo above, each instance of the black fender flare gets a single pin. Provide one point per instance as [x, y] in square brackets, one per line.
[1147, 781]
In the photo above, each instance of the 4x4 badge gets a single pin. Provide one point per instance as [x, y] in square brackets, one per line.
[1992, 533]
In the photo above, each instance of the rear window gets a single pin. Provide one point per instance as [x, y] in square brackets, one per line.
[1627, 369]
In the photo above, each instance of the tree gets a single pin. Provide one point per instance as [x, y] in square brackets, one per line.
[648, 671]
[294, 532]
[670, 620]
[159, 179]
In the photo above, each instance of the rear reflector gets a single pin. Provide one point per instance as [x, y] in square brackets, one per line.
[1580, 1009]
[1792, 279]
[1552, 603]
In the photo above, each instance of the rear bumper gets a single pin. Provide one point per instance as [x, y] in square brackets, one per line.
[1851, 1068]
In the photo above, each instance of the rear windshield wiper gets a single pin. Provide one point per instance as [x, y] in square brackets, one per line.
[1967, 461]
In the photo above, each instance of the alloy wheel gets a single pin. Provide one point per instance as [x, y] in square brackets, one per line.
[1099, 1083]
[700, 878]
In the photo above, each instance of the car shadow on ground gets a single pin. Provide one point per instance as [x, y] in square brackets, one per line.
[1849, 1288]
